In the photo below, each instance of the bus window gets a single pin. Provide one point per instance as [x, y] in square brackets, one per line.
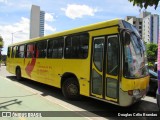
[84, 41]
[17, 52]
[20, 51]
[8, 53]
[76, 46]
[30, 50]
[55, 48]
[98, 53]
[41, 49]
[112, 55]
[13, 52]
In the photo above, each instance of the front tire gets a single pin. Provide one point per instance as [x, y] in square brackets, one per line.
[70, 89]
[18, 74]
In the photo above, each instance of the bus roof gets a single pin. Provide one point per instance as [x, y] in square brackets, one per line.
[90, 27]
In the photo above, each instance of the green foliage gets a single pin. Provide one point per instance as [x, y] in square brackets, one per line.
[1, 42]
[1, 46]
[150, 64]
[152, 52]
[145, 3]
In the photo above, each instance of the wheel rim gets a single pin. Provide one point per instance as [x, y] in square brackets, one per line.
[72, 89]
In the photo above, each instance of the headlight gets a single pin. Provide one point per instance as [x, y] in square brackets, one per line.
[134, 92]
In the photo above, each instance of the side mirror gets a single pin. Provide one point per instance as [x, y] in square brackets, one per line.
[127, 38]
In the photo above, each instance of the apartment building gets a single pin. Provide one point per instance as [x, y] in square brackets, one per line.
[137, 22]
[147, 24]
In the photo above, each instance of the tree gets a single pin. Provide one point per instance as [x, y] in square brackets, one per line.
[1, 46]
[1, 42]
[152, 52]
[145, 3]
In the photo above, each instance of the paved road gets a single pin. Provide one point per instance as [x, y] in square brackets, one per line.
[27, 95]
[29, 103]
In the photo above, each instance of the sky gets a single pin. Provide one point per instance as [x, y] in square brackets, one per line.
[60, 15]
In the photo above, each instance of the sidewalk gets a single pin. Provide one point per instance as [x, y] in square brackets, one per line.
[14, 97]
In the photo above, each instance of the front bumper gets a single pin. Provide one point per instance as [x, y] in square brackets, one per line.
[127, 100]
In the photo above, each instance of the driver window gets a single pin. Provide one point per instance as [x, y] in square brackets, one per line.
[112, 55]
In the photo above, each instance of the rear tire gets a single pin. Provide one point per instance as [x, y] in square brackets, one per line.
[70, 89]
[18, 74]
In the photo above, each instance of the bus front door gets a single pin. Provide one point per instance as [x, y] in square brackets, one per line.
[105, 68]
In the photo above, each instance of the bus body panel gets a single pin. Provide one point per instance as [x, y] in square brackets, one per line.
[44, 71]
[81, 69]
[131, 84]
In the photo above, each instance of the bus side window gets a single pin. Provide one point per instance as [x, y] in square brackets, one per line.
[41, 49]
[17, 52]
[50, 48]
[9, 52]
[84, 44]
[13, 52]
[21, 51]
[68, 48]
[30, 50]
[77, 46]
[55, 48]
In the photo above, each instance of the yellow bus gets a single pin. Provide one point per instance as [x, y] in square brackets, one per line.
[105, 61]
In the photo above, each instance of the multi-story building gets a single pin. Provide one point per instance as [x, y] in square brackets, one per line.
[144, 14]
[151, 28]
[147, 25]
[137, 22]
[36, 22]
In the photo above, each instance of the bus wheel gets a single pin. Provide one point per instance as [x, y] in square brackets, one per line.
[18, 74]
[70, 89]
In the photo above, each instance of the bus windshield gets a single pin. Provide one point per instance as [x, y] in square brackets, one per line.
[134, 55]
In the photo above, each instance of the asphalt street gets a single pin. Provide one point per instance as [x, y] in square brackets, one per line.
[19, 103]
